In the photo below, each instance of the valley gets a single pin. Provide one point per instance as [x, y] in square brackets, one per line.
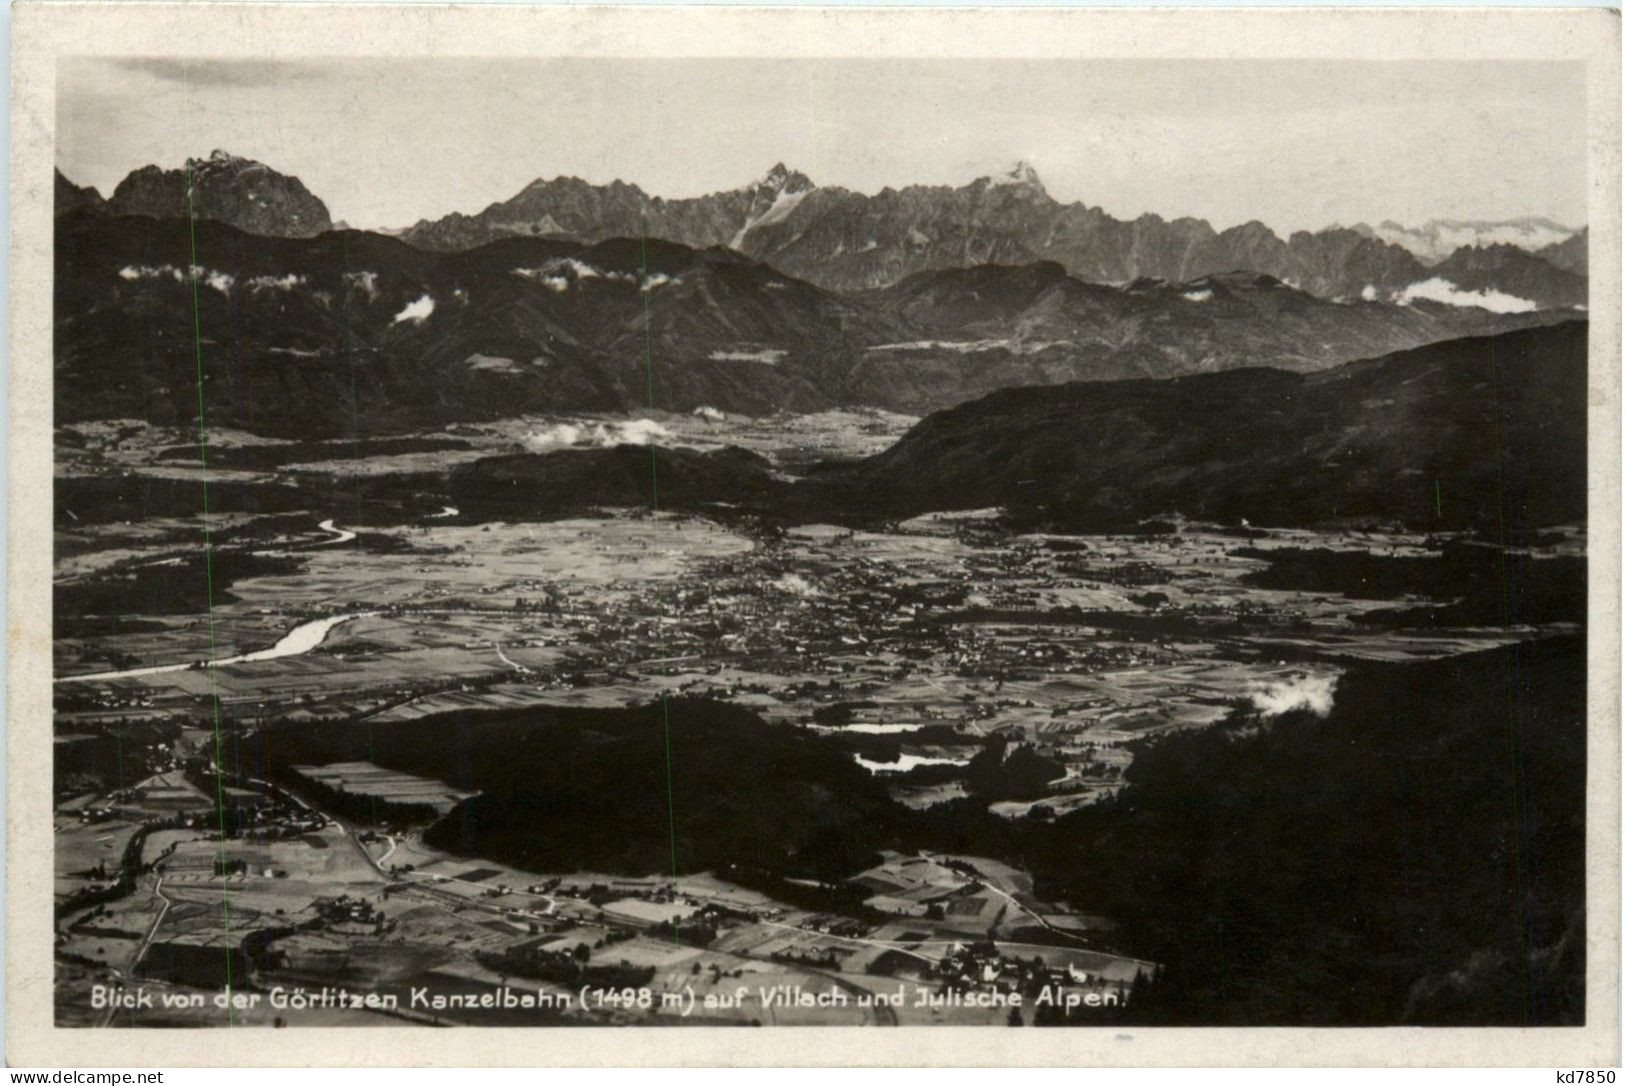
[413, 746]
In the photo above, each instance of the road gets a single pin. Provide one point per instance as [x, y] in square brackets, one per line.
[521, 668]
[988, 884]
[353, 835]
[141, 951]
[881, 943]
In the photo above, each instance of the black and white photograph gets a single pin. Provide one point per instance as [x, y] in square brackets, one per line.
[867, 541]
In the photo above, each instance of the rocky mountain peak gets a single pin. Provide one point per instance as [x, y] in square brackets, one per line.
[1021, 176]
[71, 197]
[783, 179]
[226, 188]
[223, 162]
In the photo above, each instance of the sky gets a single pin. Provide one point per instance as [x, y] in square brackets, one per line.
[1293, 144]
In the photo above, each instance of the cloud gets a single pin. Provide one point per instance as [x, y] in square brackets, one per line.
[556, 283]
[1443, 290]
[1311, 692]
[595, 435]
[558, 274]
[276, 282]
[136, 272]
[219, 280]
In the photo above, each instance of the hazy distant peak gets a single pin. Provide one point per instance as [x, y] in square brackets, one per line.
[1434, 240]
[1534, 222]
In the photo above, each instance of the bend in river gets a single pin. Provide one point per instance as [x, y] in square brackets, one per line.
[297, 641]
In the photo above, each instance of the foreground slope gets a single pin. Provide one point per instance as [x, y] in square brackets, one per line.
[1415, 857]
[1481, 432]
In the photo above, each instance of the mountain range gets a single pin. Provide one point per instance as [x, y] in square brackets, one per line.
[844, 240]
[1436, 239]
[319, 336]
[847, 240]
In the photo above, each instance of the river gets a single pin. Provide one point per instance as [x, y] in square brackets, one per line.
[904, 763]
[297, 641]
[340, 535]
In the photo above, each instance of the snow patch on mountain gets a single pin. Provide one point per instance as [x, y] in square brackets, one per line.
[365, 281]
[769, 356]
[415, 312]
[973, 346]
[780, 209]
[492, 363]
[783, 204]
[1021, 176]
